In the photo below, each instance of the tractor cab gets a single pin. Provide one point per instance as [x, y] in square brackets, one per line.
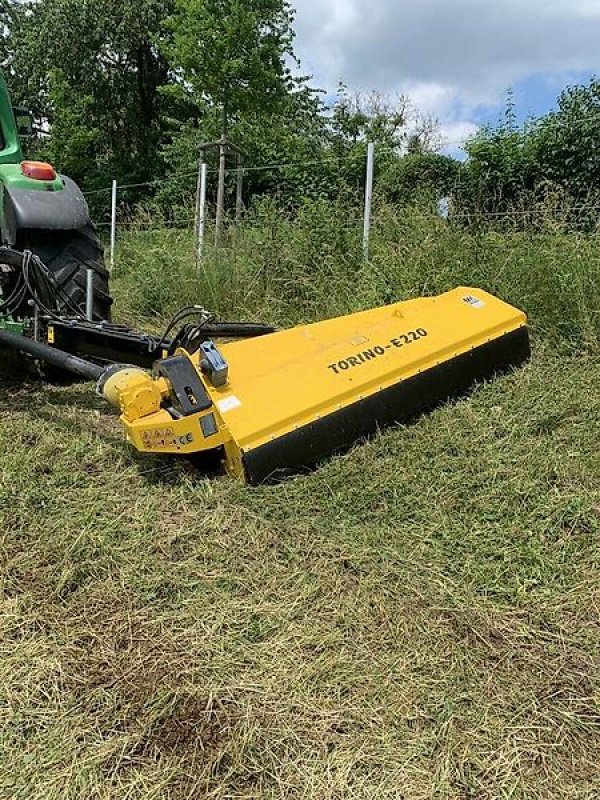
[10, 152]
[24, 122]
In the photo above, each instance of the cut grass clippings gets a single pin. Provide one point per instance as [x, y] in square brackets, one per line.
[418, 618]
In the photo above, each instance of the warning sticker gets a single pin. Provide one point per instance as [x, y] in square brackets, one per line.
[474, 302]
[165, 439]
[229, 404]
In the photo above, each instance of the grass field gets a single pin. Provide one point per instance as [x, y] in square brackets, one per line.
[420, 618]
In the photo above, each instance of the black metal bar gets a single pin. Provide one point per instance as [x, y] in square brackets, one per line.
[119, 344]
[106, 342]
[50, 355]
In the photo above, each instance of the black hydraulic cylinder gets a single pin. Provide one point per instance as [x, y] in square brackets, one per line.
[56, 358]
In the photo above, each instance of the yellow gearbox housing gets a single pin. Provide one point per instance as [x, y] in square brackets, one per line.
[297, 396]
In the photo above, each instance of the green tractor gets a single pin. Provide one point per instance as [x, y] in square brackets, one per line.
[55, 303]
[50, 254]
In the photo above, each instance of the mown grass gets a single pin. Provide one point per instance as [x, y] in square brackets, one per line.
[417, 619]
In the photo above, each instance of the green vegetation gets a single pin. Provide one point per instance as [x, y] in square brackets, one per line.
[289, 270]
[552, 159]
[129, 88]
[417, 618]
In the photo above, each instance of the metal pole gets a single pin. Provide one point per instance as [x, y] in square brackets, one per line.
[239, 190]
[221, 193]
[89, 294]
[113, 225]
[368, 199]
[36, 323]
[198, 186]
[201, 211]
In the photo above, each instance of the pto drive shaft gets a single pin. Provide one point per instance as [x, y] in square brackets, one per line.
[56, 358]
[117, 383]
[111, 380]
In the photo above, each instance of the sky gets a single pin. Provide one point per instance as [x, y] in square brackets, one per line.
[455, 59]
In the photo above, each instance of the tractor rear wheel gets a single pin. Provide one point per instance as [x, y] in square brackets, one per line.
[68, 255]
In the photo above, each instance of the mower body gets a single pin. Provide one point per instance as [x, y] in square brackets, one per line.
[287, 400]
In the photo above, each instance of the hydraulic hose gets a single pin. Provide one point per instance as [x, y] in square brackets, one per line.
[56, 358]
[236, 330]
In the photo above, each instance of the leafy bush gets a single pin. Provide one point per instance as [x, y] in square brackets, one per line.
[419, 174]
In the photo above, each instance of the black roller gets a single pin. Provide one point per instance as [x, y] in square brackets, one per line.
[312, 443]
[56, 358]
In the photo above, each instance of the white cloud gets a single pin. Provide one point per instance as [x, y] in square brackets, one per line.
[454, 134]
[450, 56]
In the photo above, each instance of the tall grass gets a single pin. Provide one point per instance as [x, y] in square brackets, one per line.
[288, 270]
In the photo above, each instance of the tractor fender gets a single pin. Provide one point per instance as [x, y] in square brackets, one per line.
[43, 210]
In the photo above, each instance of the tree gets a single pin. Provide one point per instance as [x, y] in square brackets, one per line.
[233, 57]
[373, 117]
[420, 177]
[502, 170]
[552, 162]
[567, 145]
[93, 71]
[233, 54]
[395, 126]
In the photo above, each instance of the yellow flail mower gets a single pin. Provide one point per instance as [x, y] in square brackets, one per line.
[275, 402]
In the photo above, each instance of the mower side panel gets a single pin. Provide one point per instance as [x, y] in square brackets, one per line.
[298, 395]
[399, 403]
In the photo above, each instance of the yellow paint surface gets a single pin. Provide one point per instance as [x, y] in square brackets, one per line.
[291, 378]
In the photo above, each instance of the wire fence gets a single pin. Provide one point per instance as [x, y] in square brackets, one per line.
[115, 221]
[197, 215]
